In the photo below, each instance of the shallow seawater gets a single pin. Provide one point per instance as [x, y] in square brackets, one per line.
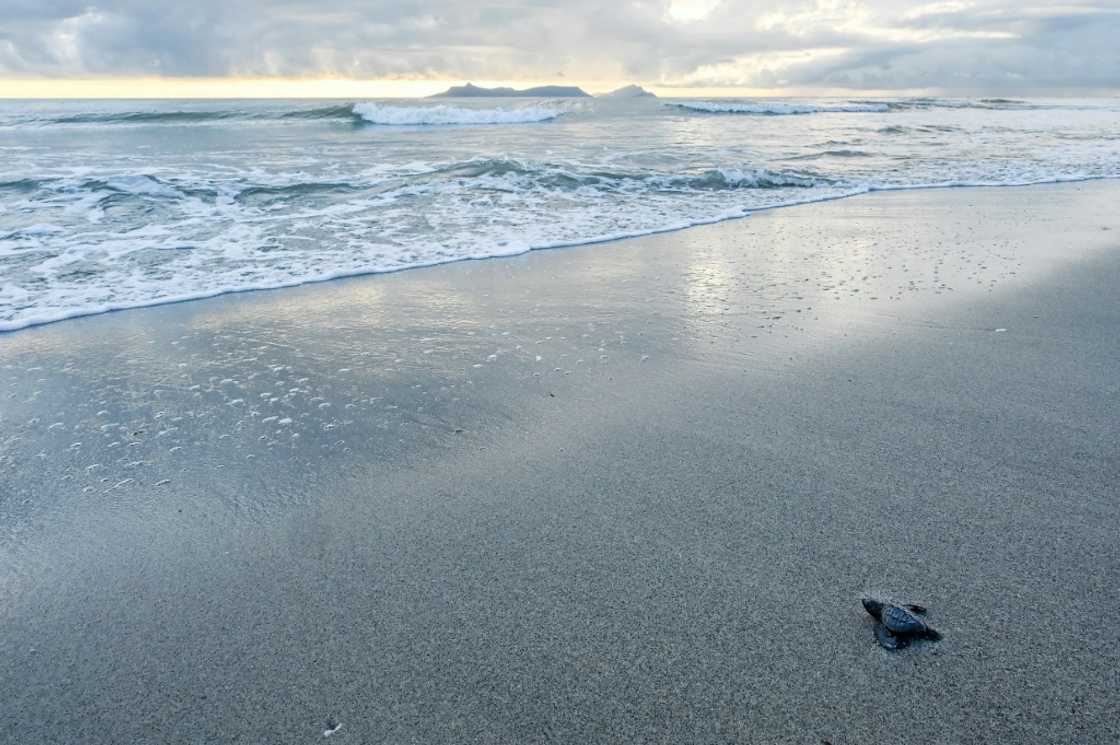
[120, 204]
[126, 410]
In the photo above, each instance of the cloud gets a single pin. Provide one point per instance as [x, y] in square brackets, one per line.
[888, 44]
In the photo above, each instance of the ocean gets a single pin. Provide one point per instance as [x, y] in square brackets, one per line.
[118, 204]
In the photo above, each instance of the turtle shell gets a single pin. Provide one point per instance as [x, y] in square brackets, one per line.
[902, 622]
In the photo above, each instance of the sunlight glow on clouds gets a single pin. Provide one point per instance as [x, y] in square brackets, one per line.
[751, 69]
[856, 19]
[935, 8]
[691, 10]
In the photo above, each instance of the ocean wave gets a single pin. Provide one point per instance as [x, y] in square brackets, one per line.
[139, 184]
[778, 108]
[145, 117]
[525, 175]
[760, 178]
[518, 178]
[22, 185]
[298, 198]
[385, 114]
[923, 129]
[294, 191]
[342, 112]
[987, 104]
[253, 261]
[838, 153]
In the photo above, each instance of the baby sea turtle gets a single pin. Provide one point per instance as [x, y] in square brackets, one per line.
[899, 623]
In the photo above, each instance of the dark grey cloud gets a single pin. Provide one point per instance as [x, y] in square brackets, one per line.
[1042, 53]
[982, 44]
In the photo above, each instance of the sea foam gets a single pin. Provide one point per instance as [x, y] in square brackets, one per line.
[164, 210]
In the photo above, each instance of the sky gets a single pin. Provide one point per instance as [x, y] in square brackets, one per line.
[675, 47]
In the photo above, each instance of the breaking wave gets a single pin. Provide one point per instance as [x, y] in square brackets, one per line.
[354, 113]
[341, 112]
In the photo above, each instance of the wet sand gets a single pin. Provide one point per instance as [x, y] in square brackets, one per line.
[622, 493]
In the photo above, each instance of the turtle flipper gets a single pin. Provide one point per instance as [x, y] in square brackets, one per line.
[915, 608]
[887, 640]
[932, 634]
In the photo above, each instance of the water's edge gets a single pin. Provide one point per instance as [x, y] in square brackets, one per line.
[33, 322]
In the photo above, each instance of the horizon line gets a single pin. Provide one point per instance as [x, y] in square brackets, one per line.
[155, 87]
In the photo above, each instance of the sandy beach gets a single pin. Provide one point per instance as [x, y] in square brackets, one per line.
[623, 493]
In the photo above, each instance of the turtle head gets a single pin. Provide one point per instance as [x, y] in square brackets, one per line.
[873, 607]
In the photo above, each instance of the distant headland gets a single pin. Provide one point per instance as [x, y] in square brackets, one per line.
[629, 91]
[545, 91]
